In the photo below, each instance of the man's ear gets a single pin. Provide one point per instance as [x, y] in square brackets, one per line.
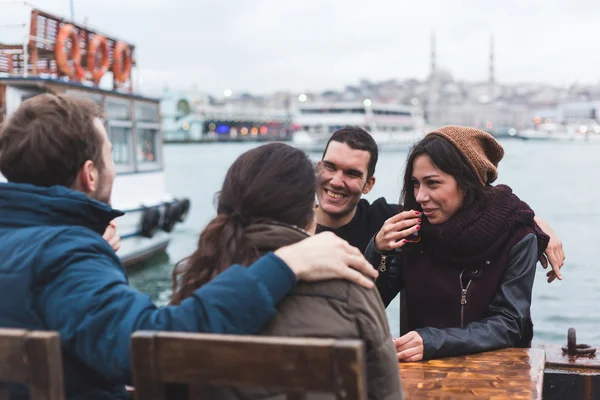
[369, 185]
[86, 180]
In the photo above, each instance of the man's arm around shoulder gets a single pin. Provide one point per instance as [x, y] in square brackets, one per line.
[90, 303]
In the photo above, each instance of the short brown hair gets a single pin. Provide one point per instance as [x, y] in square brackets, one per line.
[358, 139]
[46, 141]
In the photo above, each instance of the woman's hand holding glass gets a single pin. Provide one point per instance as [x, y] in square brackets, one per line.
[396, 229]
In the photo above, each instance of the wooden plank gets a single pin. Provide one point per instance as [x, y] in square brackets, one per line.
[239, 360]
[4, 394]
[570, 377]
[197, 392]
[12, 364]
[296, 365]
[31, 43]
[32, 358]
[145, 375]
[44, 359]
[507, 373]
[556, 358]
[348, 363]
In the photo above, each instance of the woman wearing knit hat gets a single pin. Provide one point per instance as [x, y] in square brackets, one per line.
[468, 277]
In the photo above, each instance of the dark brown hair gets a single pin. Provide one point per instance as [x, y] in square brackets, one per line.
[358, 139]
[271, 183]
[448, 159]
[46, 141]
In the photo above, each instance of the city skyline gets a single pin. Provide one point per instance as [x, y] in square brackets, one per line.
[263, 46]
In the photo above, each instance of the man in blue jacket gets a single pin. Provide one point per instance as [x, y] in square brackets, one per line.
[58, 273]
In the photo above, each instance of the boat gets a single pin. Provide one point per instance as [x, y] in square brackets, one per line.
[394, 127]
[546, 131]
[62, 57]
[190, 117]
[567, 122]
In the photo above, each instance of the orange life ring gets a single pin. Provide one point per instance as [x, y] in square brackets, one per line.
[70, 66]
[121, 62]
[98, 42]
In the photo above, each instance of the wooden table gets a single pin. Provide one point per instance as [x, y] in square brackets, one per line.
[500, 374]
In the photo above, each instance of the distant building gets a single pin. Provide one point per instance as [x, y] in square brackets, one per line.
[195, 117]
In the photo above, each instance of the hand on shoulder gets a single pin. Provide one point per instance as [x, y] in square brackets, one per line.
[326, 256]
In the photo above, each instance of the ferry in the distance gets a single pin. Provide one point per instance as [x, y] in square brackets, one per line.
[394, 127]
[60, 56]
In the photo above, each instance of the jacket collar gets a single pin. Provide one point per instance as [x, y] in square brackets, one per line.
[25, 205]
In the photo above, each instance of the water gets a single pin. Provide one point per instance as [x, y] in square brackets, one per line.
[558, 180]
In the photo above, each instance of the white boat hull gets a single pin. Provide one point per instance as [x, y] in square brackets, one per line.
[135, 194]
[386, 141]
[544, 135]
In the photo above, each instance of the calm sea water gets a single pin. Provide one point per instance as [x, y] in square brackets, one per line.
[558, 180]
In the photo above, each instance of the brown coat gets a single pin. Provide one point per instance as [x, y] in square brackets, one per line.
[336, 309]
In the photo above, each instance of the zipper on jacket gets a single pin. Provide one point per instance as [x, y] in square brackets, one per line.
[382, 263]
[463, 297]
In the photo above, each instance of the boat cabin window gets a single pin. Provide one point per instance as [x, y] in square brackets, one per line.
[118, 109]
[146, 112]
[120, 138]
[120, 130]
[147, 135]
[147, 148]
[332, 111]
[96, 98]
[391, 112]
[28, 95]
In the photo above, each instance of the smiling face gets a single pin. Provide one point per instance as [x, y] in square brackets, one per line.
[342, 178]
[437, 192]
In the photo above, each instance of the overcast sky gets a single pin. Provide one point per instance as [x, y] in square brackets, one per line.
[266, 45]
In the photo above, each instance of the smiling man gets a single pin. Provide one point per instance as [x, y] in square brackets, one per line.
[346, 172]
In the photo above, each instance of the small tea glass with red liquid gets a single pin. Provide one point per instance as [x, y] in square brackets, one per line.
[414, 237]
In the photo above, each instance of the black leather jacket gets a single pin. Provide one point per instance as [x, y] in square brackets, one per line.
[509, 310]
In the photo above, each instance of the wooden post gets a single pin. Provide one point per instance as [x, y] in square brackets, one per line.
[31, 358]
[140, 348]
[32, 43]
[44, 359]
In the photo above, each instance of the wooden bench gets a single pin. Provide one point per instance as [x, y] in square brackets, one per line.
[292, 365]
[501, 374]
[32, 358]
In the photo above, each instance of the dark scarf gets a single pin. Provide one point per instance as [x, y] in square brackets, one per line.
[269, 236]
[477, 232]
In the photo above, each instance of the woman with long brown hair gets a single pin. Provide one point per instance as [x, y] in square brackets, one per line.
[267, 201]
[468, 274]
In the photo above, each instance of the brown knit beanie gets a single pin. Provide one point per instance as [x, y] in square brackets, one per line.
[480, 149]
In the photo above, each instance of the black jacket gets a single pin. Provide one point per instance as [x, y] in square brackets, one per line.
[507, 320]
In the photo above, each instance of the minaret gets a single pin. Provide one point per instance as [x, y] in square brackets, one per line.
[433, 89]
[492, 77]
[433, 66]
